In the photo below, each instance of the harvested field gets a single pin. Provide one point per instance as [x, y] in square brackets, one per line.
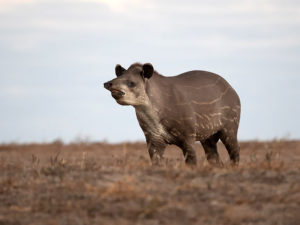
[100, 183]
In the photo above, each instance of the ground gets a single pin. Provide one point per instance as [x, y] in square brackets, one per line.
[100, 183]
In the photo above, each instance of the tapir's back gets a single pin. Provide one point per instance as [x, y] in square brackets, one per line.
[205, 89]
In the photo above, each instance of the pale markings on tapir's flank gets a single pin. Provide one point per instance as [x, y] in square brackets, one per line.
[213, 101]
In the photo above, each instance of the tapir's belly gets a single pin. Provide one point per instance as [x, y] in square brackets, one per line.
[198, 123]
[207, 124]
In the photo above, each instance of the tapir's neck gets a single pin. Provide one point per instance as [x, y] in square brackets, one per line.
[148, 109]
[154, 87]
[149, 120]
[148, 114]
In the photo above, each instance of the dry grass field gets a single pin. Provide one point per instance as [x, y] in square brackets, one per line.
[100, 183]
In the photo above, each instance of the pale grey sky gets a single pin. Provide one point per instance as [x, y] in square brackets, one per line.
[55, 55]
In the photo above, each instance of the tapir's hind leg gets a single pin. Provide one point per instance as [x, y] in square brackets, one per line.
[229, 139]
[210, 148]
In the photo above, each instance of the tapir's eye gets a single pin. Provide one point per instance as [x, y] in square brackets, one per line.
[131, 84]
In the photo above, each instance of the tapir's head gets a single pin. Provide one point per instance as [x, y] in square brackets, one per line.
[129, 86]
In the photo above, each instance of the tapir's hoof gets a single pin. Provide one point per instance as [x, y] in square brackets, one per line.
[216, 163]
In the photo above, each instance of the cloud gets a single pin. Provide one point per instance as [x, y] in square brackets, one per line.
[231, 24]
[120, 5]
[114, 5]
[9, 5]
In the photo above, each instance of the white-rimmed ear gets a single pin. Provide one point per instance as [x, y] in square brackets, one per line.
[147, 70]
[119, 70]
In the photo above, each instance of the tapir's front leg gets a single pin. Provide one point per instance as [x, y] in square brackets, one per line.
[187, 147]
[156, 151]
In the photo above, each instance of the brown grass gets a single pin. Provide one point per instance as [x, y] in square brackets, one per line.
[99, 183]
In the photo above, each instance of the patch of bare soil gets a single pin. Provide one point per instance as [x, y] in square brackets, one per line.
[99, 183]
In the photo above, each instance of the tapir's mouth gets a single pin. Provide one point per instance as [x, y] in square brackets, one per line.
[117, 93]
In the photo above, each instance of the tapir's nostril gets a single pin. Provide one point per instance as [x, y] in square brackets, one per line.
[107, 85]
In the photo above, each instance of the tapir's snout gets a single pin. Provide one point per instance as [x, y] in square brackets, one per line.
[116, 93]
[108, 85]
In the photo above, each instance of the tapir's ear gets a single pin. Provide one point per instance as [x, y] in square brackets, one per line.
[119, 70]
[147, 70]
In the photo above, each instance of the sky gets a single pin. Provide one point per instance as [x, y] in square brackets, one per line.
[55, 56]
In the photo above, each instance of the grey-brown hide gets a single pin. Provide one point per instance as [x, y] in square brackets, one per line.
[193, 106]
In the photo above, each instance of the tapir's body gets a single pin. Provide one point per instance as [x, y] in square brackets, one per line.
[193, 106]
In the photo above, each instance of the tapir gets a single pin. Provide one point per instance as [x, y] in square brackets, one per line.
[180, 110]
